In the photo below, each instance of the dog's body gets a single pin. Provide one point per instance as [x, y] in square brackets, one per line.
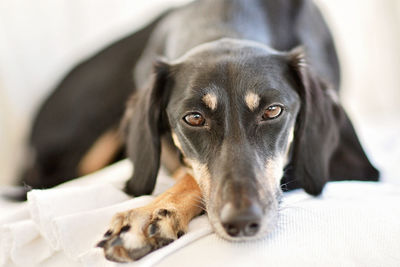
[246, 96]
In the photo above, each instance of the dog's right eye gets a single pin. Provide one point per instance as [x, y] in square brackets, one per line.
[194, 119]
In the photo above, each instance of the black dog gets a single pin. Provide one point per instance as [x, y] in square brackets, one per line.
[245, 99]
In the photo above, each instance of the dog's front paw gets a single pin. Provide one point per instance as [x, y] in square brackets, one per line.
[136, 233]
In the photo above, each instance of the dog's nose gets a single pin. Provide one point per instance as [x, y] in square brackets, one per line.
[241, 222]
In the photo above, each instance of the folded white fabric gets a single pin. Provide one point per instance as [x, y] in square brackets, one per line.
[11, 213]
[69, 233]
[70, 218]
[47, 205]
[28, 248]
[29, 232]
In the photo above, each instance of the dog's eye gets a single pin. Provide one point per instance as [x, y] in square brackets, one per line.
[272, 112]
[194, 119]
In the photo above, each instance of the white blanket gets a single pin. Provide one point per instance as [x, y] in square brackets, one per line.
[351, 224]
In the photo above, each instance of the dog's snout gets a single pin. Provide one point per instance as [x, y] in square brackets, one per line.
[241, 222]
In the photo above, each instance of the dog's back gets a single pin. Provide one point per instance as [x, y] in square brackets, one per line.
[281, 25]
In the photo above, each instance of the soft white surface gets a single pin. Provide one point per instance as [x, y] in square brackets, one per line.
[351, 224]
[62, 225]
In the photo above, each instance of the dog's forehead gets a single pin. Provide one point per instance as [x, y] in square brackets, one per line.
[248, 77]
[228, 62]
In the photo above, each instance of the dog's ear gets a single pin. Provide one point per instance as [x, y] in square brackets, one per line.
[349, 161]
[316, 135]
[143, 126]
[325, 144]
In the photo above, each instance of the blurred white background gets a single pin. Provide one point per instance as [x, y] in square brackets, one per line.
[40, 40]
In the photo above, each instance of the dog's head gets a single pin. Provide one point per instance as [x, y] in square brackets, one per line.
[243, 116]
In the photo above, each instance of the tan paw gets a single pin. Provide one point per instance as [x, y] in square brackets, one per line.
[136, 233]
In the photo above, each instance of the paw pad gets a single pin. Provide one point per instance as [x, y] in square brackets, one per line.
[152, 229]
[125, 229]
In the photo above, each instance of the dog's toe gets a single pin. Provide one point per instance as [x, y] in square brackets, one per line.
[138, 232]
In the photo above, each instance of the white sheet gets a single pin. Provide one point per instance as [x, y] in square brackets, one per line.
[351, 224]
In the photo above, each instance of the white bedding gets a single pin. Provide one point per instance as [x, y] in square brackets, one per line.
[351, 224]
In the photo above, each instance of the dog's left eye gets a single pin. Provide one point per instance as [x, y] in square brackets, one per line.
[272, 112]
[194, 119]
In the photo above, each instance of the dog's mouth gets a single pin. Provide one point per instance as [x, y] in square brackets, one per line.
[241, 202]
[250, 223]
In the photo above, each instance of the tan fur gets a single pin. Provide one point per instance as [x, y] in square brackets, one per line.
[252, 100]
[170, 211]
[183, 196]
[176, 141]
[101, 153]
[199, 171]
[201, 174]
[274, 172]
[210, 99]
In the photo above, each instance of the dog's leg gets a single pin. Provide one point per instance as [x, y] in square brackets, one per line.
[137, 232]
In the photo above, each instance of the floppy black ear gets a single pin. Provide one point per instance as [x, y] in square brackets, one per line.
[349, 161]
[316, 134]
[325, 145]
[144, 129]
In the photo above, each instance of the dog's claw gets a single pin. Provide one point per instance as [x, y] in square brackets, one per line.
[180, 233]
[108, 233]
[101, 244]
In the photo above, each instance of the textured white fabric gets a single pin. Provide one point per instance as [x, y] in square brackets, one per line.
[351, 224]
[47, 207]
[62, 225]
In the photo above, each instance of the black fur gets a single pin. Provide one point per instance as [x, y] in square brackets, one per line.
[147, 125]
[325, 145]
[316, 133]
[89, 101]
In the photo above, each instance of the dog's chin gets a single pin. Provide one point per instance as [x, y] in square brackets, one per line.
[268, 225]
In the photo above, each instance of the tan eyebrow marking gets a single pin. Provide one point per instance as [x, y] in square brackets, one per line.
[252, 100]
[210, 100]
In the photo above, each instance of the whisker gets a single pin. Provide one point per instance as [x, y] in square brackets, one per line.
[199, 203]
[199, 200]
[199, 206]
